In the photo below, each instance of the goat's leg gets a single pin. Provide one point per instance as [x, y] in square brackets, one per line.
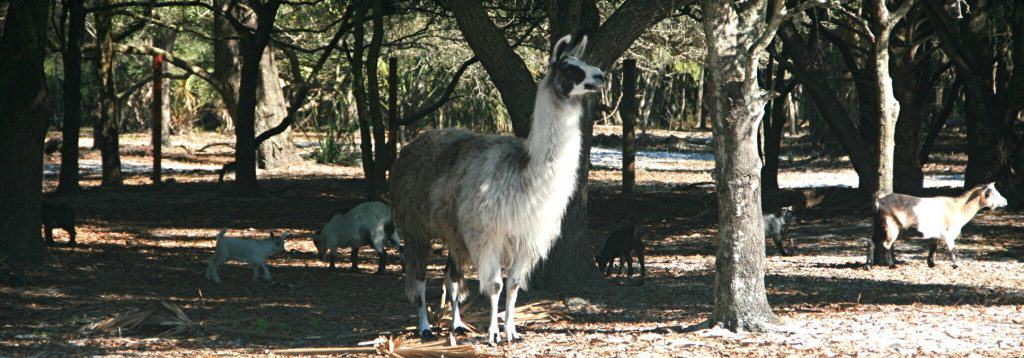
[255, 273]
[71, 232]
[951, 246]
[892, 231]
[266, 272]
[608, 267]
[931, 252]
[49, 234]
[629, 262]
[489, 266]
[331, 253]
[355, 259]
[777, 238]
[622, 262]
[640, 257]
[454, 278]
[382, 262]
[516, 274]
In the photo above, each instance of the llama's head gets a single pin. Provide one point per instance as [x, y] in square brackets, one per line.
[569, 75]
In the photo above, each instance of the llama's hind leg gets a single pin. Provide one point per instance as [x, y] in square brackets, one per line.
[454, 277]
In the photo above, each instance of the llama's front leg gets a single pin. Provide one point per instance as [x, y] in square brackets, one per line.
[490, 284]
[513, 283]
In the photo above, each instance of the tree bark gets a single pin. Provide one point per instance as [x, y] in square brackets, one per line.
[253, 50]
[109, 124]
[888, 107]
[24, 109]
[70, 131]
[629, 113]
[773, 127]
[157, 118]
[272, 107]
[735, 104]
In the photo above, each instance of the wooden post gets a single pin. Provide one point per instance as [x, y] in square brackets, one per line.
[629, 110]
[157, 107]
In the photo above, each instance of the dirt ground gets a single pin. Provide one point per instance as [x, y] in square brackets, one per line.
[139, 245]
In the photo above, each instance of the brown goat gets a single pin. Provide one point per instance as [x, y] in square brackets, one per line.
[933, 218]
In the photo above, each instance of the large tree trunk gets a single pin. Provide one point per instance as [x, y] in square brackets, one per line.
[735, 105]
[24, 108]
[629, 112]
[109, 124]
[72, 57]
[253, 50]
[277, 151]
[271, 105]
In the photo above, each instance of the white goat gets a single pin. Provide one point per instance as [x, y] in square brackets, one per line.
[934, 218]
[254, 252]
[494, 200]
[366, 224]
[773, 225]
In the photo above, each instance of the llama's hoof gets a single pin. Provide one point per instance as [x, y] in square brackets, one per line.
[494, 338]
[427, 335]
[513, 337]
[460, 331]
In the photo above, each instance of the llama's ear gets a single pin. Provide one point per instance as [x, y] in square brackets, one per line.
[577, 51]
[558, 51]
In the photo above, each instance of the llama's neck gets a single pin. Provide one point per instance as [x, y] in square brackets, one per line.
[553, 145]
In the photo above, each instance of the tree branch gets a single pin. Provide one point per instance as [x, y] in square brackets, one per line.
[779, 15]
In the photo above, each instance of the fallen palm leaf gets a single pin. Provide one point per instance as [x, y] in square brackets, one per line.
[398, 347]
[163, 315]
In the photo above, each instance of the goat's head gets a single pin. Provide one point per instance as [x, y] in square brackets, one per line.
[321, 247]
[990, 197]
[570, 76]
[278, 241]
[787, 213]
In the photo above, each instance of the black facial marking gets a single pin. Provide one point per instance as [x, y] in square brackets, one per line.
[566, 76]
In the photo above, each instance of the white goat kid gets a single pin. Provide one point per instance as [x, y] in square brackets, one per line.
[773, 224]
[937, 218]
[495, 201]
[366, 224]
[253, 252]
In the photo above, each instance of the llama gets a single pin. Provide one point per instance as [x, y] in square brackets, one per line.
[254, 252]
[938, 218]
[366, 224]
[773, 224]
[495, 201]
[622, 244]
